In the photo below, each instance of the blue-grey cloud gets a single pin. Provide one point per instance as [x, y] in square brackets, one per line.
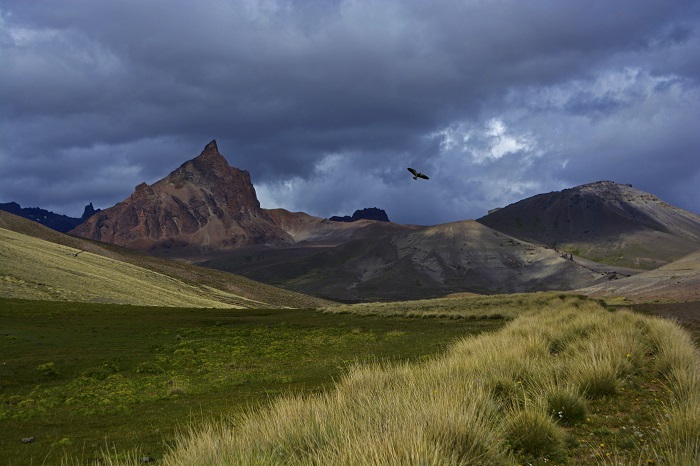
[327, 104]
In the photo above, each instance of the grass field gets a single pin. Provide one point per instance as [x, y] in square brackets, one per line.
[544, 378]
[568, 381]
[81, 378]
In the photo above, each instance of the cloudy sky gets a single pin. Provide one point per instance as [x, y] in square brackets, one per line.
[326, 103]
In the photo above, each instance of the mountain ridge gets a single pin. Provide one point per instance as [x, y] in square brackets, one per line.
[58, 222]
[424, 262]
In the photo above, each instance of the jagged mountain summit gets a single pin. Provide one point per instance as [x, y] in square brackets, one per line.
[203, 205]
[603, 221]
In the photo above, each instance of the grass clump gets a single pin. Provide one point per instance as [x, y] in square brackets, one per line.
[595, 376]
[47, 369]
[533, 435]
[566, 406]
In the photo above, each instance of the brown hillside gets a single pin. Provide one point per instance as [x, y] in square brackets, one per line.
[604, 221]
[425, 262]
[323, 232]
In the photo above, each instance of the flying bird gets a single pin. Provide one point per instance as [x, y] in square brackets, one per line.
[416, 174]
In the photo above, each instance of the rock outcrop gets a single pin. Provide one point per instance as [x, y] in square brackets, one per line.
[204, 205]
[89, 212]
[370, 213]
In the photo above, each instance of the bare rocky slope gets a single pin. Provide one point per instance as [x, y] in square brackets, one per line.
[421, 263]
[605, 222]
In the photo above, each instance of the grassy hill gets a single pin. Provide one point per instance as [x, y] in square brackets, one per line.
[39, 263]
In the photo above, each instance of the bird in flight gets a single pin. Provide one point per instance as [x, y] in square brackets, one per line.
[416, 174]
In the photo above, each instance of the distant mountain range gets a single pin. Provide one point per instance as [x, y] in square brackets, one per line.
[57, 222]
[207, 212]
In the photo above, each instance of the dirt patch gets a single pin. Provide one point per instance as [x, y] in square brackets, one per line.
[686, 314]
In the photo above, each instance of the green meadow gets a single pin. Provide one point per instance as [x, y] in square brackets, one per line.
[87, 379]
[543, 378]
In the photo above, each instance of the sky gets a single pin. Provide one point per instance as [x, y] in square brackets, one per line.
[326, 103]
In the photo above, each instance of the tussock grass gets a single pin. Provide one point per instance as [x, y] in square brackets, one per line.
[454, 307]
[534, 392]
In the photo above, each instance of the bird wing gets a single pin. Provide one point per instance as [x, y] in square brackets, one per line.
[413, 171]
[420, 175]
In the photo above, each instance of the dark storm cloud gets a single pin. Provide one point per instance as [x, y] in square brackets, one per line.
[327, 104]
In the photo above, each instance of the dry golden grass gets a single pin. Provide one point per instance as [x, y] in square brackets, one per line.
[32, 268]
[491, 399]
[233, 290]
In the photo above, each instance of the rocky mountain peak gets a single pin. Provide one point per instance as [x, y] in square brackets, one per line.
[211, 155]
[209, 164]
[211, 147]
[205, 203]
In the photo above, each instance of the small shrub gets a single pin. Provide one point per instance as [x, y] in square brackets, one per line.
[102, 372]
[47, 369]
[149, 367]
